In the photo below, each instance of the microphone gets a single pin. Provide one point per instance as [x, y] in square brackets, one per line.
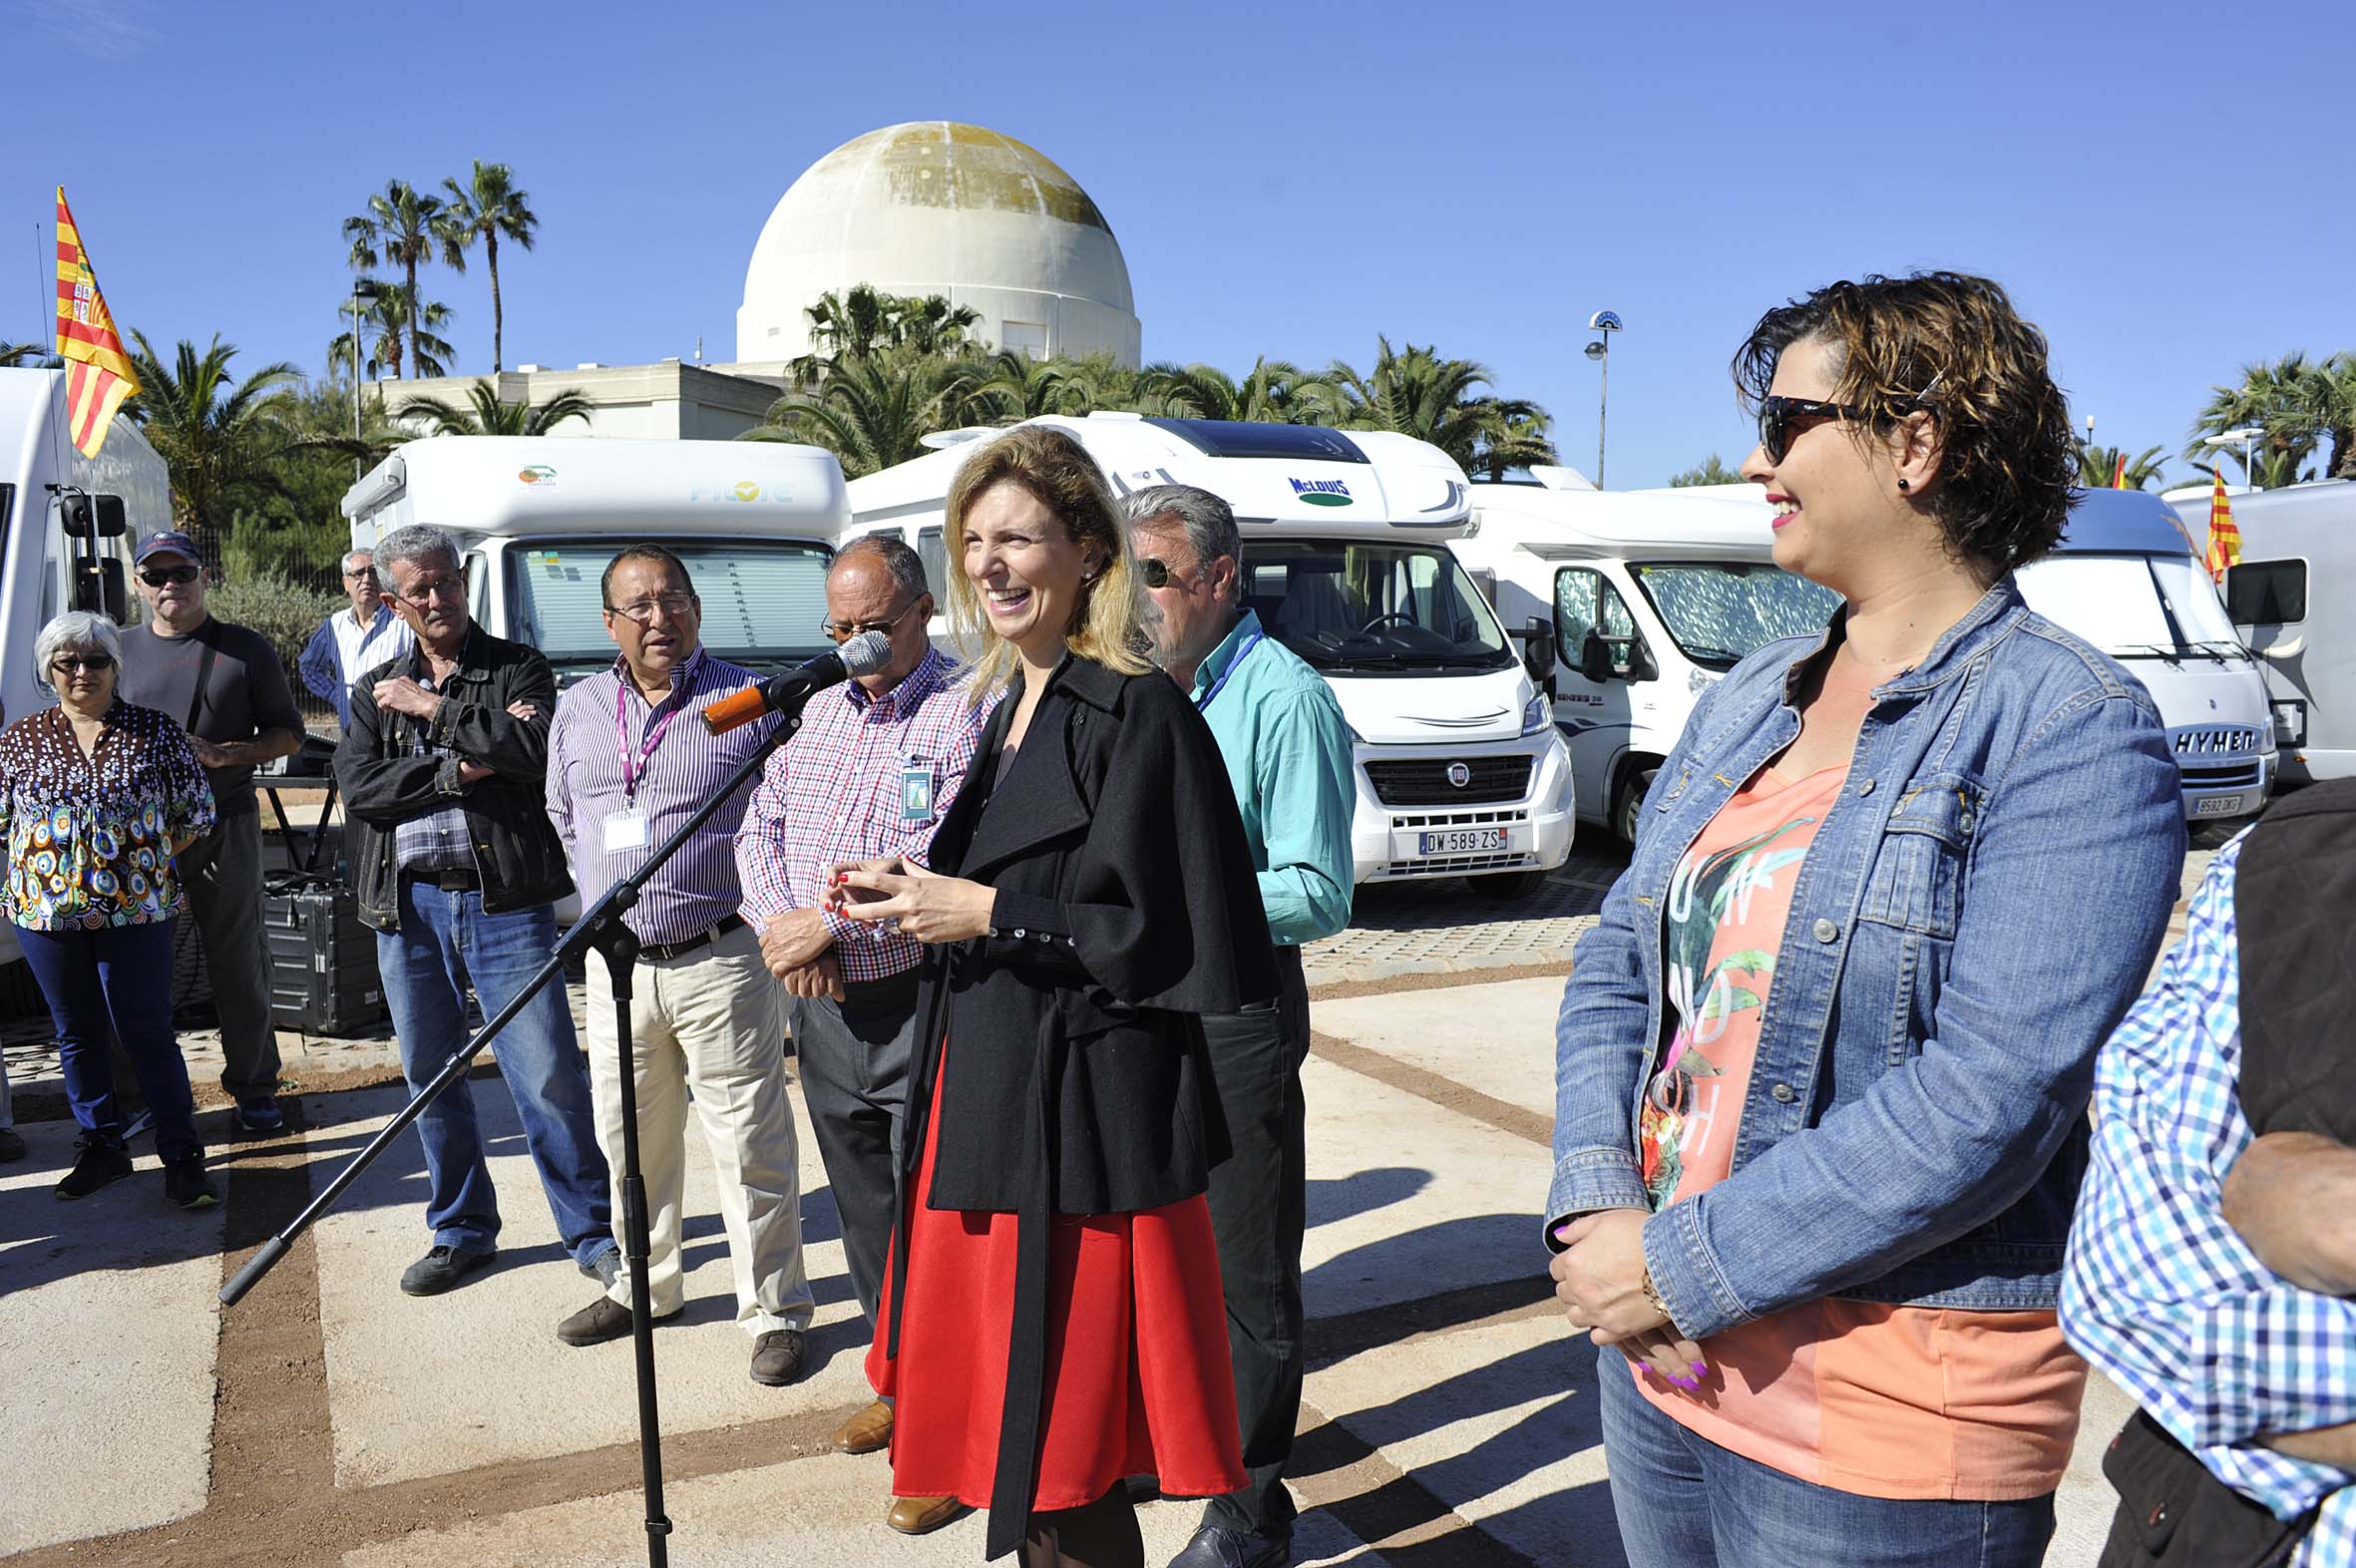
[863, 655]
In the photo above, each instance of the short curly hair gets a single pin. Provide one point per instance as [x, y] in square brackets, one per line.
[1952, 345]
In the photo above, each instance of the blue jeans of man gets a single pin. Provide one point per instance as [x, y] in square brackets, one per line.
[444, 943]
[1684, 1502]
[116, 983]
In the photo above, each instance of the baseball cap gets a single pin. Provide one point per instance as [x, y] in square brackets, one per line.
[169, 541]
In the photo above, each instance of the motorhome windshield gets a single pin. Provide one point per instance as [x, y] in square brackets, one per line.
[2133, 606]
[764, 599]
[1377, 608]
[1722, 612]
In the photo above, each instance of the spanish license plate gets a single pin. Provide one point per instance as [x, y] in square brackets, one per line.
[1465, 841]
[2214, 806]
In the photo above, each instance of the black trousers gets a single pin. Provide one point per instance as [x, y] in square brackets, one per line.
[852, 1056]
[1258, 1200]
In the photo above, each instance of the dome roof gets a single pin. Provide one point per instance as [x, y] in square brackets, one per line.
[934, 206]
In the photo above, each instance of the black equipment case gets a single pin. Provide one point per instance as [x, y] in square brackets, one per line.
[323, 975]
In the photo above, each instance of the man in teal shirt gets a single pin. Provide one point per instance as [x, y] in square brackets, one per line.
[1288, 752]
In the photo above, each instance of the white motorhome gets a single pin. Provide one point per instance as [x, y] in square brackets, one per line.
[537, 519]
[1344, 535]
[68, 525]
[2298, 555]
[1653, 595]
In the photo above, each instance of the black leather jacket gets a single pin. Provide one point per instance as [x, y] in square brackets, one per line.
[517, 852]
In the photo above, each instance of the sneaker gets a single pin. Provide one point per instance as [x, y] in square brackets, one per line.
[442, 1268]
[100, 1163]
[604, 1267]
[139, 1121]
[259, 1118]
[12, 1146]
[185, 1186]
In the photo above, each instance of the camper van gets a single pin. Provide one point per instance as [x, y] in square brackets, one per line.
[1459, 771]
[1654, 594]
[537, 519]
[2298, 550]
[68, 525]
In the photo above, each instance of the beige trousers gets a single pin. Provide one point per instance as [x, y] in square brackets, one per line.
[710, 1024]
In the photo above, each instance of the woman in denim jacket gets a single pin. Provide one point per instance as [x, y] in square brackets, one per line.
[1821, 1068]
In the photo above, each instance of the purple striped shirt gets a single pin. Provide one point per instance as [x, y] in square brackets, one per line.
[586, 786]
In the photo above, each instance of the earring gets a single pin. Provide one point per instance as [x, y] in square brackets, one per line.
[1902, 485]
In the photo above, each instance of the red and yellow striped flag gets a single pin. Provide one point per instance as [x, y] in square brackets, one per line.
[2119, 479]
[97, 373]
[2224, 535]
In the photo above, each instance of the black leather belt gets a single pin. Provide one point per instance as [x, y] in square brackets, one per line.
[448, 881]
[704, 938]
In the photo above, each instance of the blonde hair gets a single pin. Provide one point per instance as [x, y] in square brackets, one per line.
[1057, 472]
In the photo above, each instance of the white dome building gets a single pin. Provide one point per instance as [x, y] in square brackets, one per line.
[937, 207]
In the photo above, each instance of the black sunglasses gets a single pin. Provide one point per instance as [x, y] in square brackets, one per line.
[162, 574]
[1776, 415]
[72, 664]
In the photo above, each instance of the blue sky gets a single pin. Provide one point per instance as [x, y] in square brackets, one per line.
[2164, 193]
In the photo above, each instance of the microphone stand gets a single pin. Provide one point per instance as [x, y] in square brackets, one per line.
[602, 929]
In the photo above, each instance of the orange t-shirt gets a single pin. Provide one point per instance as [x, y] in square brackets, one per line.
[1880, 1400]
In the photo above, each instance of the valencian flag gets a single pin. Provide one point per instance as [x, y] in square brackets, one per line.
[97, 373]
[2224, 535]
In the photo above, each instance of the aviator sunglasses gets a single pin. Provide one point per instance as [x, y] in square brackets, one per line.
[158, 577]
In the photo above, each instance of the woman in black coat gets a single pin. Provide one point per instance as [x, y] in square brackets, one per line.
[1089, 893]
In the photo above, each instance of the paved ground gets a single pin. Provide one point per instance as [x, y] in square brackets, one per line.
[330, 1420]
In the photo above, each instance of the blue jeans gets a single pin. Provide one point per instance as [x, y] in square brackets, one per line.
[1684, 1502]
[115, 981]
[445, 942]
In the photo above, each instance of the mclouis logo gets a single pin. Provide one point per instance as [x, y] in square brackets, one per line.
[1322, 491]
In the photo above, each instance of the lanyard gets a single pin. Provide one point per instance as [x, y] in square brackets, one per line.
[1204, 702]
[633, 768]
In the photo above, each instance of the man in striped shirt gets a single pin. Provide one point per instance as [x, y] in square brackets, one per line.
[870, 774]
[629, 761]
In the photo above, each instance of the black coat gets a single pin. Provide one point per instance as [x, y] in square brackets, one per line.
[1126, 906]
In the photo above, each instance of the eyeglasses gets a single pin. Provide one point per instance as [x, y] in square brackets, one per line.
[364, 575]
[643, 611]
[159, 576]
[75, 663]
[1155, 571]
[1777, 415]
[426, 592]
[844, 632]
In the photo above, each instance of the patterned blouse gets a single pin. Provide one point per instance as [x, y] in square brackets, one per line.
[91, 839]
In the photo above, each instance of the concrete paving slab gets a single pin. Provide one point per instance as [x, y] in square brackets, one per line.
[1498, 1420]
[1408, 1199]
[107, 1304]
[1497, 1039]
[2082, 1508]
[824, 1510]
[438, 1385]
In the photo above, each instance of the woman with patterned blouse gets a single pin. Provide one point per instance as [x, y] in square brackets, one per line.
[96, 797]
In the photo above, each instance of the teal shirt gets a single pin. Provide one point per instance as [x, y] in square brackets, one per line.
[1288, 752]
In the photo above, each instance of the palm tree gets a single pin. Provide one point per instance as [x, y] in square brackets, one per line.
[872, 411]
[220, 437]
[1513, 434]
[2335, 396]
[385, 324]
[2098, 467]
[1417, 393]
[1014, 387]
[1273, 392]
[402, 228]
[29, 356]
[2289, 399]
[864, 321]
[486, 415]
[489, 208]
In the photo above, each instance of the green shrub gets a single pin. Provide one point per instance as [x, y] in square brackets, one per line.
[285, 612]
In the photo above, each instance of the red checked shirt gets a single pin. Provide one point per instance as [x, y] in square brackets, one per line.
[864, 777]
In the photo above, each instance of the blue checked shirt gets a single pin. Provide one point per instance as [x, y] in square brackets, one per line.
[2158, 1291]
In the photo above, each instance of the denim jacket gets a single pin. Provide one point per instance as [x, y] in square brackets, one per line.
[1978, 909]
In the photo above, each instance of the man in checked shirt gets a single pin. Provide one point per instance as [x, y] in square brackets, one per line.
[629, 761]
[869, 773]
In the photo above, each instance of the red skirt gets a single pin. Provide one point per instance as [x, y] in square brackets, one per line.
[1138, 1381]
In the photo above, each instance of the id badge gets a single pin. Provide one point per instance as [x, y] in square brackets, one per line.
[916, 791]
[625, 830]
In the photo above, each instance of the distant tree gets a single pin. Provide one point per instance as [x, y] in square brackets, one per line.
[385, 326]
[27, 356]
[490, 206]
[2289, 399]
[1710, 471]
[2335, 398]
[223, 437]
[2098, 466]
[1413, 391]
[402, 227]
[863, 321]
[486, 415]
[1513, 434]
[1014, 387]
[1271, 392]
[872, 411]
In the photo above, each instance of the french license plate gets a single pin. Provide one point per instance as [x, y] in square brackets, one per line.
[2214, 806]
[1465, 841]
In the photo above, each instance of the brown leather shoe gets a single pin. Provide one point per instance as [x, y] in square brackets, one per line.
[865, 1432]
[602, 1320]
[919, 1515]
[777, 1358]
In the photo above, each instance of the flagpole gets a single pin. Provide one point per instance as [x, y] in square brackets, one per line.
[44, 269]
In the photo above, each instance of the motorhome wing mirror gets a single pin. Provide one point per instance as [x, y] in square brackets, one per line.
[1538, 650]
[1595, 657]
[92, 518]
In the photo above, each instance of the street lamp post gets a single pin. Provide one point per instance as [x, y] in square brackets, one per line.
[1605, 322]
[2245, 435]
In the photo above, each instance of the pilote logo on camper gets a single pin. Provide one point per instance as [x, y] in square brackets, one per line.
[536, 474]
[1323, 492]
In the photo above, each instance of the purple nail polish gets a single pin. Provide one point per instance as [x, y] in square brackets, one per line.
[1689, 1384]
[1700, 1369]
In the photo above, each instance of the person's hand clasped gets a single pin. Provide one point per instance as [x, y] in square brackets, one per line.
[208, 753]
[794, 941]
[404, 695]
[1599, 1279]
[821, 976]
[906, 898]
